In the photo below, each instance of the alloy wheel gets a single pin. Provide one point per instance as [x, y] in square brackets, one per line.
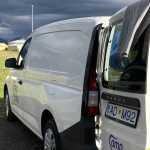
[49, 140]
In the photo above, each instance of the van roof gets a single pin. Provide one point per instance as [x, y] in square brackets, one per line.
[70, 24]
[133, 10]
[118, 16]
[134, 16]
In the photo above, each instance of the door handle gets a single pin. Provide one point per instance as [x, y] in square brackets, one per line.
[20, 82]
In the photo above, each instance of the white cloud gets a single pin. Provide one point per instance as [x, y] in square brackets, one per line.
[6, 33]
[4, 30]
[24, 18]
[125, 2]
[15, 15]
[5, 24]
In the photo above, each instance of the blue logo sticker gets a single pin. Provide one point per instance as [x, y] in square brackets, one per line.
[114, 143]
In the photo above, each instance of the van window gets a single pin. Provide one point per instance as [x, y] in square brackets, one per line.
[23, 53]
[127, 73]
[102, 40]
[113, 51]
[64, 52]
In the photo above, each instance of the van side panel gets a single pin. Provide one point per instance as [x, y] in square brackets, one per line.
[61, 59]
[64, 53]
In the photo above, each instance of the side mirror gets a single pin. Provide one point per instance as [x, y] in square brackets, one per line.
[11, 63]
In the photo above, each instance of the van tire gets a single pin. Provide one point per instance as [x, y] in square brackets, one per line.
[50, 130]
[9, 114]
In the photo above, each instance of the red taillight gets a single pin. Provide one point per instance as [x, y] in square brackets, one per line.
[92, 106]
[92, 111]
[93, 85]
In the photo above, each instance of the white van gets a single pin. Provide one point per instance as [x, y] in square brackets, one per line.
[125, 82]
[52, 86]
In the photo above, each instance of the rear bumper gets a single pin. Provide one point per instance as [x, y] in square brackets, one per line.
[81, 136]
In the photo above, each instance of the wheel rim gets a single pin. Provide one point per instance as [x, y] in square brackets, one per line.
[49, 142]
[7, 104]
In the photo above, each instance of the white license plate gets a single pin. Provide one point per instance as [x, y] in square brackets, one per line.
[122, 114]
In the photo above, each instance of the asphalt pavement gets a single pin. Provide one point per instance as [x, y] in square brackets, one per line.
[15, 136]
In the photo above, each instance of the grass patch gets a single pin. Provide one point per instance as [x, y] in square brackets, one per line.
[5, 71]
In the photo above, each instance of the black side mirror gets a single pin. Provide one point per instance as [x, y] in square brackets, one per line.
[11, 63]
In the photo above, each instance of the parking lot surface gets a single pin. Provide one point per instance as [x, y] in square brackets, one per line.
[15, 136]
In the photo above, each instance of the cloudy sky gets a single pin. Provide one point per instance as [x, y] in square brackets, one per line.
[15, 15]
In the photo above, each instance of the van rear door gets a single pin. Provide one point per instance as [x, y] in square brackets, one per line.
[90, 87]
[123, 98]
[90, 104]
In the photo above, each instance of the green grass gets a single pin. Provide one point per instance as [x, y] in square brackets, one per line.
[4, 71]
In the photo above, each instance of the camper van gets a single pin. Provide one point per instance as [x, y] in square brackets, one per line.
[125, 81]
[52, 86]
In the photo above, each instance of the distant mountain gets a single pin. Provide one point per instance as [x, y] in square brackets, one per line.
[16, 38]
[3, 41]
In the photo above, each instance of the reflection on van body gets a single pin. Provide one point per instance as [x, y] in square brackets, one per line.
[52, 87]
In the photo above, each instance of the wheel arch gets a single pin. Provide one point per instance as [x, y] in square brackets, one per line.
[46, 115]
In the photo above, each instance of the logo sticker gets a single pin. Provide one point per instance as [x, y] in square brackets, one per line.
[114, 143]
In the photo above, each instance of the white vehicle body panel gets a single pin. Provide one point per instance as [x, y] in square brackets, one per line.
[114, 134]
[121, 132]
[53, 74]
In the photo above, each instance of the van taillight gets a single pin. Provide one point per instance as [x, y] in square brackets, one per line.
[92, 106]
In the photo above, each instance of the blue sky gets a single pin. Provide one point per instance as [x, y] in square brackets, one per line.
[15, 15]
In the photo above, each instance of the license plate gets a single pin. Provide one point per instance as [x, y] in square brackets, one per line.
[122, 114]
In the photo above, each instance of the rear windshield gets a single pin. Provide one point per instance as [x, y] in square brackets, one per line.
[127, 73]
[112, 73]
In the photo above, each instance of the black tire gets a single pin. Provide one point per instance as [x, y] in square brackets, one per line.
[51, 127]
[9, 114]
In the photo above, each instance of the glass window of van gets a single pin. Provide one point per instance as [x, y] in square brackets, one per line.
[113, 52]
[23, 53]
[126, 72]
